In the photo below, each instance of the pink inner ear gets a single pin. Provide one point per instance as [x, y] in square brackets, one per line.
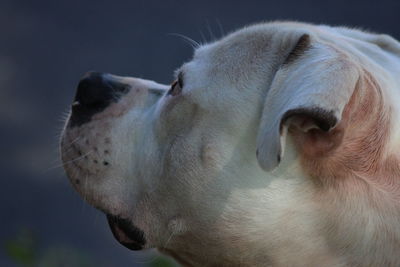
[304, 123]
[354, 152]
[312, 141]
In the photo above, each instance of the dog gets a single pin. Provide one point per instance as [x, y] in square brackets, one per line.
[276, 145]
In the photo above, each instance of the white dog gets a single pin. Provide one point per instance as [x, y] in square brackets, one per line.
[277, 145]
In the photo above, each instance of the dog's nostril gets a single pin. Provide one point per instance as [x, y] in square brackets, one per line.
[95, 92]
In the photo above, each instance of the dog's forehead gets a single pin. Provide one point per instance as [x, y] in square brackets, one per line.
[253, 39]
[239, 44]
[252, 47]
[230, 59]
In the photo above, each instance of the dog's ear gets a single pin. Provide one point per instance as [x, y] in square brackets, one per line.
[308, 93]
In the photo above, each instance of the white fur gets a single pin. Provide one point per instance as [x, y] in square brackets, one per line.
[184, 168]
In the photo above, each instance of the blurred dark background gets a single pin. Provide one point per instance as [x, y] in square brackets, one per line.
[46, 46]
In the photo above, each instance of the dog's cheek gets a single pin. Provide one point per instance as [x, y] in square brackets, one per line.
[210, 156]
[177, 120]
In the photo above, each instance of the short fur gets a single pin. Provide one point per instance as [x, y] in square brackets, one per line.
[281, 149]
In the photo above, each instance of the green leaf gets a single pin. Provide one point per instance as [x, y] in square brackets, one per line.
[161, 261]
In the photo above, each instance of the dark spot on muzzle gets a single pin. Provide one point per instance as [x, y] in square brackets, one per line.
[95, 92]
[126, 233]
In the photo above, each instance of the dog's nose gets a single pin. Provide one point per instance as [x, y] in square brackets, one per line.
[95, 92]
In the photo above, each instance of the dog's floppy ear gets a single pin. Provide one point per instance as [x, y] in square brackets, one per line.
[309, 91]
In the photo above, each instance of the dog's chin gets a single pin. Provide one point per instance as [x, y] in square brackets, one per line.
[126, 233]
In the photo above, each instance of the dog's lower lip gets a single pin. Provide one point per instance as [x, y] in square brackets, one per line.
[126, 233]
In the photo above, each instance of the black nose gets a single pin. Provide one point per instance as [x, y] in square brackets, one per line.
[95, 92]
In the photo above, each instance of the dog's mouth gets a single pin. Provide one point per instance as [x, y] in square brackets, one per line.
[126, 233]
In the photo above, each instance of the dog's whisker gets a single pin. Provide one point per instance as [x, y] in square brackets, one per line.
[168, 240]
[210, 32]
[66, 163]
[64, 116]
[62, 120]
[189, 40]
[69, 146]
[204, 39]
[221, 30]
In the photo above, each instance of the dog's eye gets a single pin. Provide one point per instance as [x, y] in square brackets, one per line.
[175, 89]
[176, 86]
[180, 79]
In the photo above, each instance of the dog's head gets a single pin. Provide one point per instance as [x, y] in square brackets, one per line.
[241, 158]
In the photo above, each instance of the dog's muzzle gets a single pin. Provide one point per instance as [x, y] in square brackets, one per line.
[95, 92]
[126, 233]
